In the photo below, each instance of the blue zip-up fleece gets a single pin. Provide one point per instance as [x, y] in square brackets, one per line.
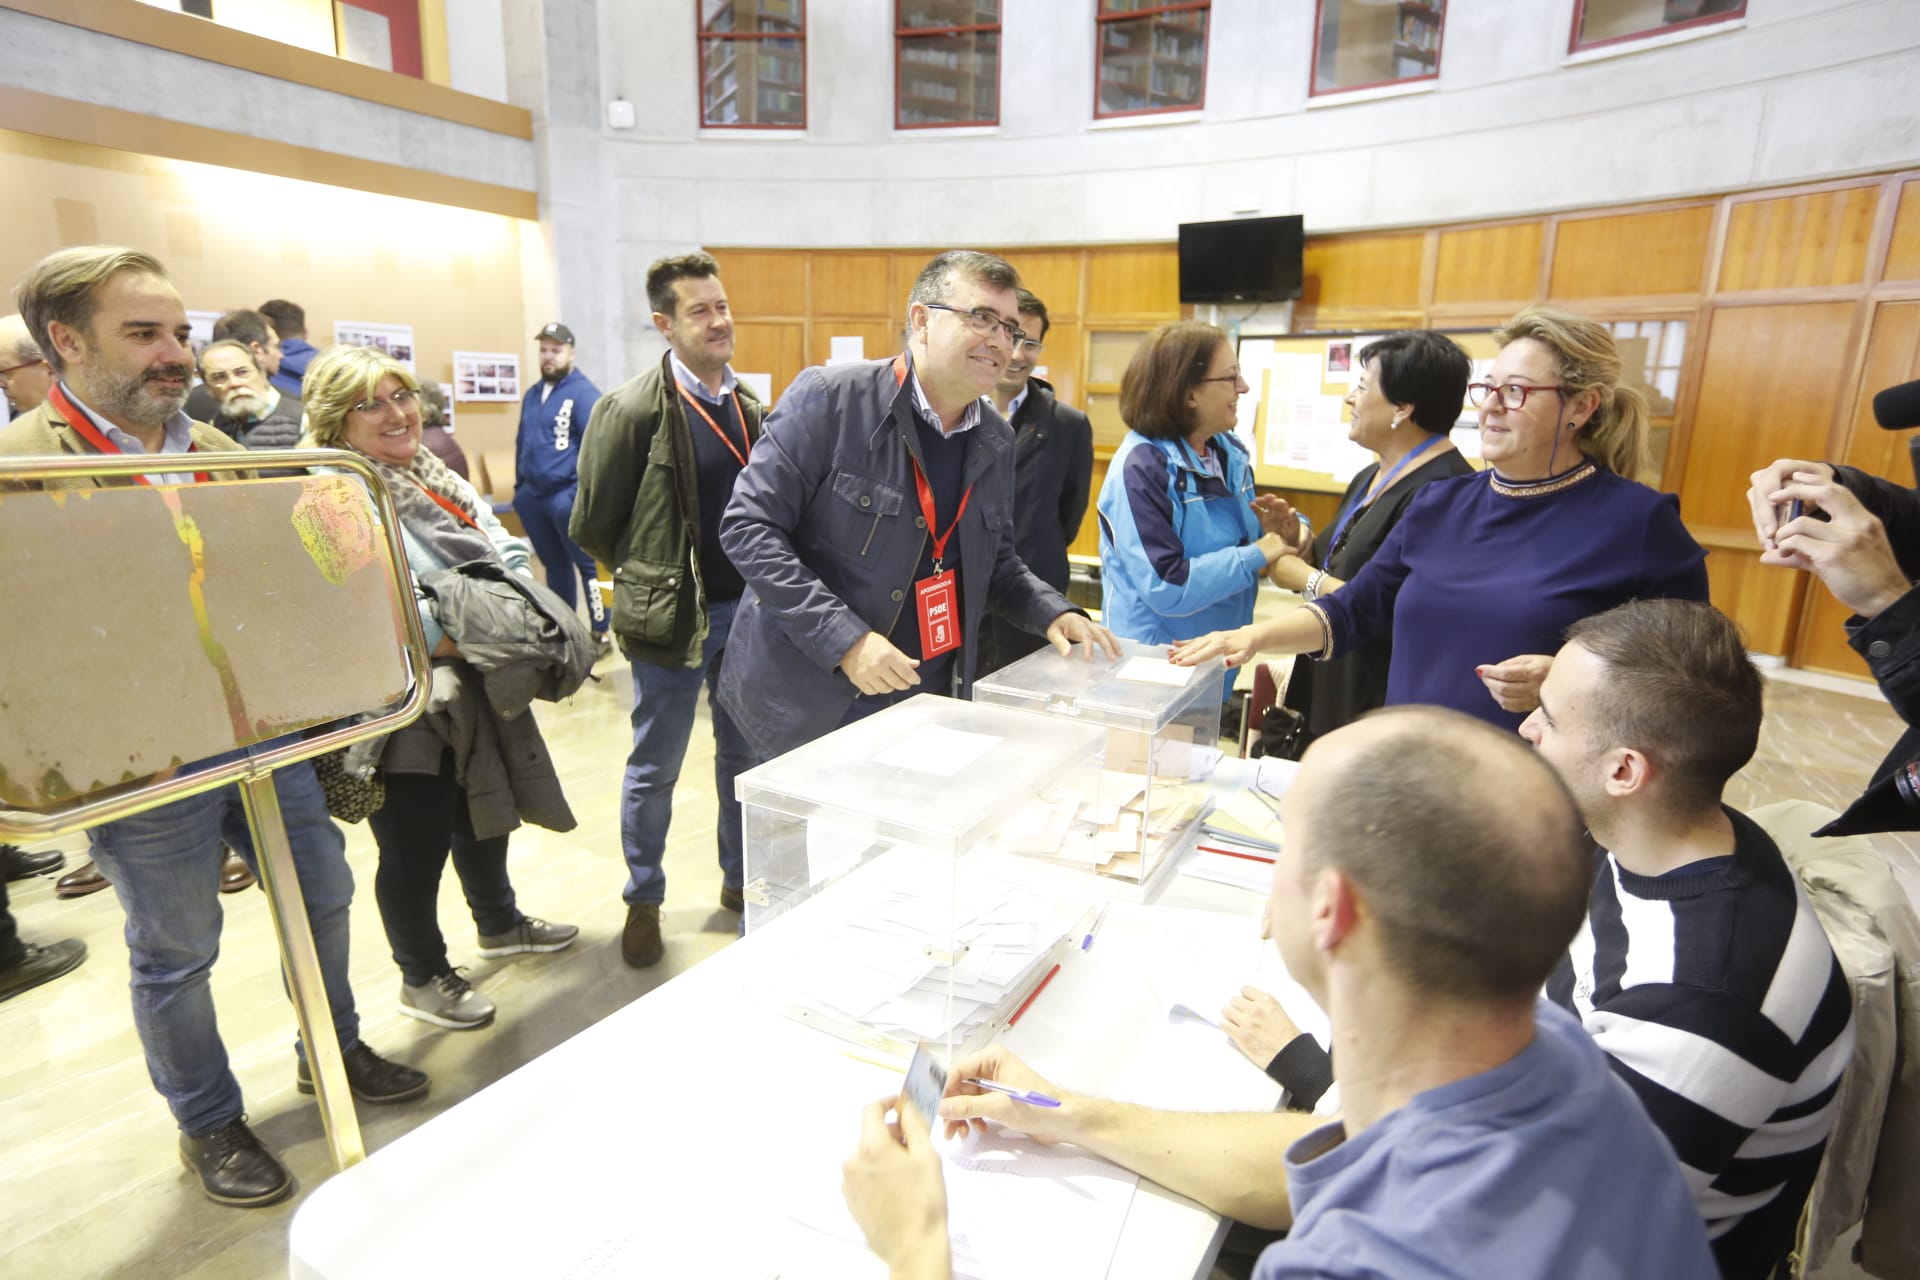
[1177, 553]
[547, 453]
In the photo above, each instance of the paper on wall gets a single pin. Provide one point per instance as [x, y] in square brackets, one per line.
[761, 384]
[846, 350]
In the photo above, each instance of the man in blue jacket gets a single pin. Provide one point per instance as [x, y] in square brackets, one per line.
[553, 418]
[874, 524]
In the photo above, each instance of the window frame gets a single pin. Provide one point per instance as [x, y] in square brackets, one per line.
[1575, 46]
[702, 34]
[902, 33]
[1102, 16]
[1313, 67]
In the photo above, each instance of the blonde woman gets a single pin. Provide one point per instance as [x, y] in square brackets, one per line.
[1484, 573]
[359, 399]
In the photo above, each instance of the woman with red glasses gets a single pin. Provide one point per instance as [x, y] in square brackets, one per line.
[1484, 573]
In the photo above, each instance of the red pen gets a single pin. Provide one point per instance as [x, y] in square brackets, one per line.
[1028, 1003]
[1233, 853]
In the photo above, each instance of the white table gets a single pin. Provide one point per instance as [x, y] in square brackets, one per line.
[666, 1139]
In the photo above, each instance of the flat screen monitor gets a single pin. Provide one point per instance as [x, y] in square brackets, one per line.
[1241, 260]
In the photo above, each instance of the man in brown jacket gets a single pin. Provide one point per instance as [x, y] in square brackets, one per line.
[115, 332]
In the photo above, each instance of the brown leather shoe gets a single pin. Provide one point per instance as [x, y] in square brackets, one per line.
[234, 875]
[80, 882]
[640, 944]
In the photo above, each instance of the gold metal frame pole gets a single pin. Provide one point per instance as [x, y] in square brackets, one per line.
[325, 1060]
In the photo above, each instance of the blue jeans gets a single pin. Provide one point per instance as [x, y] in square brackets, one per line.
[664, 702]
[165, 866]
[545, 517]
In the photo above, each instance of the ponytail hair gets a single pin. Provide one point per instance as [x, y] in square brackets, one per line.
[1615, 437]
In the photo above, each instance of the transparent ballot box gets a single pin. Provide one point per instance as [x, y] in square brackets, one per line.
[1132, 803]
[872, 866]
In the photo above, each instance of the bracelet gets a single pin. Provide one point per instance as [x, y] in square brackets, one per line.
[1311, 590]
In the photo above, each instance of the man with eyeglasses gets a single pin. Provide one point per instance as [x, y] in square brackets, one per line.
[874, 524]
[1052, 476]
[253, 331]
[252, 410]
[24, 372]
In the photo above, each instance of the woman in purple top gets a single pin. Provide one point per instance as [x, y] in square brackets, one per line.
[1484, 573]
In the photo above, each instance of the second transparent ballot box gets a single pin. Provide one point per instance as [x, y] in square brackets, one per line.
[872, 854]
[1129, 807]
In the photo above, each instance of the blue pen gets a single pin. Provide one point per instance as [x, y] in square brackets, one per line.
[1018, 1095]
[1094, 927]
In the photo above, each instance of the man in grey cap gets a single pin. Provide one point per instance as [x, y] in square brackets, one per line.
[553, 418]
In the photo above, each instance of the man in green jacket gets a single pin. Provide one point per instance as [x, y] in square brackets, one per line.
[657, 467]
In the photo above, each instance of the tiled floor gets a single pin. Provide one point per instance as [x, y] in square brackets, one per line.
[91, 1184]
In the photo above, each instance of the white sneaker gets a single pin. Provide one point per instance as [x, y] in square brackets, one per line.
[448, 1001]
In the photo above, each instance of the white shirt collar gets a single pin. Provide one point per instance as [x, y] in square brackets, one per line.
[968, 420]
[1013, 406]
[691, 381]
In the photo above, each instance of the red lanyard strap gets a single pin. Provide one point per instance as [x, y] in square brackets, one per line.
[739, 454]
[926, 509]
[452, 509]
[83, 425]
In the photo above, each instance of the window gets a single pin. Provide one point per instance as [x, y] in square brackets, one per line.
[1652, 354]
[946, 68]
[1153, 57]
[753, 64]
[1360, 44]
[1598, 22]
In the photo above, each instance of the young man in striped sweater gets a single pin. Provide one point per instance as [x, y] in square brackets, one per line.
[1701, 969]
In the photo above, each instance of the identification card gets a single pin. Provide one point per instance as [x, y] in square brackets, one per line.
[926, 1084]
[939, 614]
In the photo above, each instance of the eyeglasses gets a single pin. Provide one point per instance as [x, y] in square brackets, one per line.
[1030, 346]
[1232, 375]
[24, 364]
[983, 322]
[1513, 395]
[401, 399]
[237, 376]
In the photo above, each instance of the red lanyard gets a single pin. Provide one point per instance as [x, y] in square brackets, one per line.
[926, 490]
[77, 419]
[698, 408]
[451, 508]
[926, 509]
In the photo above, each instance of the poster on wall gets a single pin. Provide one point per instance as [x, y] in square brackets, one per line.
[486, 375]
[395, 340]
[201, 322]
[446, 403]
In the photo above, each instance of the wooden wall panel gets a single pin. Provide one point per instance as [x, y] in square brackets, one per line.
[1062, 359]
[853, 284]
[1892, 356]
[1764, 599]
[1903, 257]
[1360, 272]
[765, 282]
[1771, 377]
[882, 338]
[1803, 241]
[1053, 277]
[773, 347]
[1622, 255]
[1133, 283]
[1489, 264]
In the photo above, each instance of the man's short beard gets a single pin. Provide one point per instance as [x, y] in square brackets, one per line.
[124, 396]
[556, 374]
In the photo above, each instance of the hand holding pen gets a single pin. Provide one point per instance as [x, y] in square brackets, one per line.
[996, 1086]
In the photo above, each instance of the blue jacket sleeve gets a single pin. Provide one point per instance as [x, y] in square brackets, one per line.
[1170, 581]
[788, 465]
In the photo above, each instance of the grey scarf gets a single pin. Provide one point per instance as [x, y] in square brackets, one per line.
[448, 537]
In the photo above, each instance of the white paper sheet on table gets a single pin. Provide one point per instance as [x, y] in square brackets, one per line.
[937, 750]
[1252, 870]
[1015, 1209]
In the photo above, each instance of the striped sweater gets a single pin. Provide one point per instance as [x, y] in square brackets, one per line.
[1716, 995]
